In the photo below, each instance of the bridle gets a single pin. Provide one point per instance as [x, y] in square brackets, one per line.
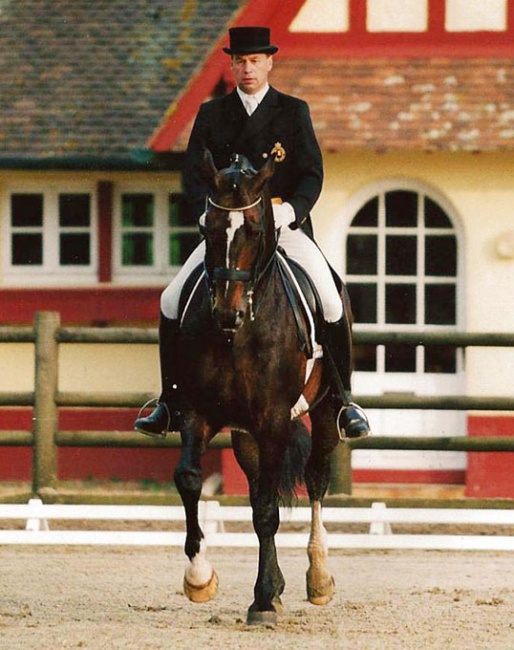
[252, 276]
[242, 209]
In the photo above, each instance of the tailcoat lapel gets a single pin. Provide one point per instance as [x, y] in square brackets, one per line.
[234, 117]
[257, 122]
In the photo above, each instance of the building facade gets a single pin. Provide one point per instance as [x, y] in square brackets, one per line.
[413, 105]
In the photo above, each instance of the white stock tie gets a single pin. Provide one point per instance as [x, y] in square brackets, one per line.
[251, 104]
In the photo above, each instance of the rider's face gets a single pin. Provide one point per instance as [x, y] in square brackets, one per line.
[251, 71]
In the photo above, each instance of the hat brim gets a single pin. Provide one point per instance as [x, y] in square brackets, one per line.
[266, 49]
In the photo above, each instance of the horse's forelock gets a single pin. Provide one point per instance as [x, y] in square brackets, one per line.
[234, 186]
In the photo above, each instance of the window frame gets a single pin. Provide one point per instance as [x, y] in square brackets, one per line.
[160, 271]
[354, 204]
[50, 271]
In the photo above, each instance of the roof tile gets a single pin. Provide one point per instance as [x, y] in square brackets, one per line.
[96, 78]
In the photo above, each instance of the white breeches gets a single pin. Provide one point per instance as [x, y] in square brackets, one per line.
[298, 246]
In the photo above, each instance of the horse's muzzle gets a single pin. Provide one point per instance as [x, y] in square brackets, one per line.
[229, 320]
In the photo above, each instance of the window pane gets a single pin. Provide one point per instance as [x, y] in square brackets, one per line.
[137, 210]
[364, 302]
[476, 15]
[74, 210]
[440, 307]
[361, 255]
[181, 247]
[27, 250]
[367, 215]
[397, 15]
[74, 249]
[26, 210]
[401, 303]
[137, 249]
[401, 209]
[401, 255]
[178, 213]
[441, 256]
[440, 358]
[400, 358]
[434, 216]
[365, 358]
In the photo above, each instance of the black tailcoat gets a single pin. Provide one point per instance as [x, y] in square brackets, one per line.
[281, 121]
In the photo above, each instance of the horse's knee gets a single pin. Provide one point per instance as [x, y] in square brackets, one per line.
[188, 480]
[266, 519]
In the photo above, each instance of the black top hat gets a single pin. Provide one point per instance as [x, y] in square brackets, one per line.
[250, 40]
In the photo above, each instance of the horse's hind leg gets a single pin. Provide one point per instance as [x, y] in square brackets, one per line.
[320, 583]
[200, 579]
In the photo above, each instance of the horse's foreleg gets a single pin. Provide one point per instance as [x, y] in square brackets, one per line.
[264, 500]
[200, 580]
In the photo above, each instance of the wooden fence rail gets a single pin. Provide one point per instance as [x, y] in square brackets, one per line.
[47, 335]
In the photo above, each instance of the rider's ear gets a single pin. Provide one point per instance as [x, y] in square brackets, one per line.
[210, 170]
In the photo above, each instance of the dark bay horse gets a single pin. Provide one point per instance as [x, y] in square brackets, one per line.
[244, 369]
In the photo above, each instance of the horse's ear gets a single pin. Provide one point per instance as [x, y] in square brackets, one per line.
[265, 173]
[211, 173]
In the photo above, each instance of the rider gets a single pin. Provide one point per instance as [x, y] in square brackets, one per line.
[257, 121]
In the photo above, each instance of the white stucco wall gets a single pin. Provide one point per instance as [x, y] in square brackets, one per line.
[480, 189]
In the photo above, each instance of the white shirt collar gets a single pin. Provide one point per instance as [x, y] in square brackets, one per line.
[259, 96]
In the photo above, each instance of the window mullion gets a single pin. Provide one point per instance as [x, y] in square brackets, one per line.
[160, 230]
[51, 253]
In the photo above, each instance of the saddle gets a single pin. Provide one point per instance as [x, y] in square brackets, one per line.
[304, 300]
[196, 279]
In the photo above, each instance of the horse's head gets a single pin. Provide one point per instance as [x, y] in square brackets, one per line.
[239, 237]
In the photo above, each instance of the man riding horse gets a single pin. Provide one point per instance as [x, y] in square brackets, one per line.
[257, 121]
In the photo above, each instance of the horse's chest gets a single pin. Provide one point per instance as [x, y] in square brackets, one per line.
[241, 372]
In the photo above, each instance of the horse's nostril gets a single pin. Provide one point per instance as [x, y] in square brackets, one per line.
[228, 319]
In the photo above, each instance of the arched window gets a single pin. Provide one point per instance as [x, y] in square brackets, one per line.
[402, 263]
[402, 274]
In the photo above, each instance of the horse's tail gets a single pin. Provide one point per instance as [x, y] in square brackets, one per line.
[297, 454]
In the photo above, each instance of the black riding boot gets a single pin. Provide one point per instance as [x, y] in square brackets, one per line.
[165, 417]
[338, 349]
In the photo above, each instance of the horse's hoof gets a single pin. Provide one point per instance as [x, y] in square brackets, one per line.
[268, 618]
[277, 604]
[321, 594]
[201, 593]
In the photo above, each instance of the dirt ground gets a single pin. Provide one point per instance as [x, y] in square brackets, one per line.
[131, 598]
